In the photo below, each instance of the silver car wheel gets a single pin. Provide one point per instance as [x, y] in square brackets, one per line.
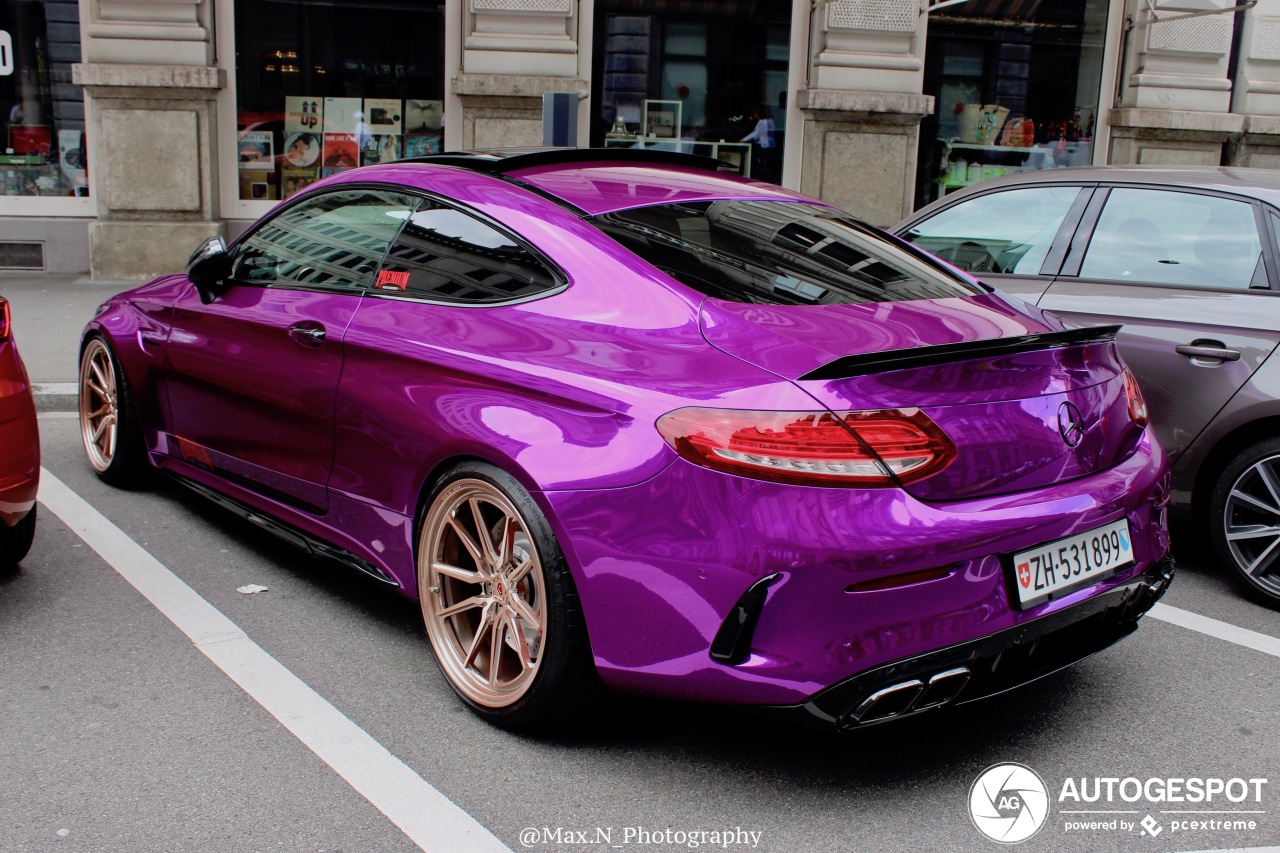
[1251, 523]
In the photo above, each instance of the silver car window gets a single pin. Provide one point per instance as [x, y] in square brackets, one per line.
[1164, 237]
[1001, 232]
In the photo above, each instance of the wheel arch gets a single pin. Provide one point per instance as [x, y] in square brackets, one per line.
[1222, 452]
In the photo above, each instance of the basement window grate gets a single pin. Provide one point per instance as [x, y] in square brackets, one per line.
[21, 256]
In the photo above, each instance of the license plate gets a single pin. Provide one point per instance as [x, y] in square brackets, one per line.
[1044, 572]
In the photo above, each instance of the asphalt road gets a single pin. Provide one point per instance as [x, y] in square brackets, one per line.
[118, 733]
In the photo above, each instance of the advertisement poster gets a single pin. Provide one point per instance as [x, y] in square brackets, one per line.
[301, 150]
[380, 148]
[342, 115]
[258, 185]
[384, 115]
[422, 116]
[256, 150]
[303, 114]
[293, 180]
[421, 144]
[340, 151]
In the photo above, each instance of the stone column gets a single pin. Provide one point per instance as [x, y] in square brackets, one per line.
[513, 52]
[149, 87]
[1257, 88]
[863, 106]
[1175, 100]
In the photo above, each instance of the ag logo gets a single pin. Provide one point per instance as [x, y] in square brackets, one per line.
[1009, 803]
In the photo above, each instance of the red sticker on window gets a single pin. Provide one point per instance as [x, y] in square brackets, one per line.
[391, 280]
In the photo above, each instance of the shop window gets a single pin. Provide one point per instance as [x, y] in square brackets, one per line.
[708, 77]
[1162, 237]
[42, 150]
[326, 86]
[1017, 88]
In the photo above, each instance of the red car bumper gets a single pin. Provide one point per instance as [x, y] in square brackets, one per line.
[19, 439]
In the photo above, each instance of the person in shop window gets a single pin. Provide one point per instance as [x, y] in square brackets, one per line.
[762, 136]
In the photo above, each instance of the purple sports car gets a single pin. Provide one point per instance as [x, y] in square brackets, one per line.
[615, 418]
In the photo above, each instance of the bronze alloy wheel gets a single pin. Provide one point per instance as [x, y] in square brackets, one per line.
[99, 404]
[483, 593]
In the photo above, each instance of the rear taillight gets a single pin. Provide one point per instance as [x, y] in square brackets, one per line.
[880, 448]
[1137, 405]
[4, 319]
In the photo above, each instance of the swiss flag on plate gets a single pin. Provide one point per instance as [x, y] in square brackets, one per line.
[1024, 574]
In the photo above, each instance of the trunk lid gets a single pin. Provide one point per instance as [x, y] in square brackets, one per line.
[1025, 405]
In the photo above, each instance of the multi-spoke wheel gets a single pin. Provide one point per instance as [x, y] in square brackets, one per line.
[499, 604]
[107, 423]
[1245, 513]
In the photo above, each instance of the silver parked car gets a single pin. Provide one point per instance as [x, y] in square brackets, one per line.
[1188, 260]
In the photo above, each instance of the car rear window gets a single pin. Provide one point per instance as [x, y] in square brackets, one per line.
[780, 253]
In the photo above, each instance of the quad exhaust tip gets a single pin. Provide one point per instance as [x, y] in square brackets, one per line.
[909, 697]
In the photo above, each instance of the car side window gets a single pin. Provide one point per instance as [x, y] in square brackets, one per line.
[1001, 232]
[448, 255]
[1163, 237]
[334, 241]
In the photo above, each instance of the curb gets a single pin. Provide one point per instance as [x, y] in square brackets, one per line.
[56, 396]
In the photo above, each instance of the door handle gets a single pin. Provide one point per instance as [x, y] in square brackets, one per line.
[1215, 350]
[307, 334]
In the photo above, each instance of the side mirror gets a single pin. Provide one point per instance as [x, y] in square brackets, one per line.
[208, 266]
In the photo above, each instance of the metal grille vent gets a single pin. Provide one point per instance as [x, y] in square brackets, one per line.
[21, 256]
[892, 16]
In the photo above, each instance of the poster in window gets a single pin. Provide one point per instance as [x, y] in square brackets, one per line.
[340, 151]
[422, 116]
[662, 118]
[421, 144]
[384, 115]
[256, 150]
[258, 185]
[72, 157]
[294, 180]
[303, 114]
[30, 139]
[380, 148]
[342, 115]
[301, 150]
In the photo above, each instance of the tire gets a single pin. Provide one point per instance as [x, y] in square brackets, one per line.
[16, 541]
[491, 576]
[108, 423]
[1245, 521]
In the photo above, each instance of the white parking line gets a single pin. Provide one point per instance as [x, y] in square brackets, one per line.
[424, 814]
[1222, 630]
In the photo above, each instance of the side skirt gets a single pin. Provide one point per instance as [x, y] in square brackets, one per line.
[298, 538]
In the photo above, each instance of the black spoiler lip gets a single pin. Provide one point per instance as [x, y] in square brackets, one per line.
[849, 366]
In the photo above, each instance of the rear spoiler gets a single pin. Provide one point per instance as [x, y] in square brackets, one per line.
[900, 359]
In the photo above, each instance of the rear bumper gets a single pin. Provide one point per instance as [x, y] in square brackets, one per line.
[19, 440]
[663, 566]
[986, 666]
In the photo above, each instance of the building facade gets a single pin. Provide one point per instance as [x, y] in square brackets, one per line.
[133, 129]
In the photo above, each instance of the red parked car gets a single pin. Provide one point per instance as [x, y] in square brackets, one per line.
[19, 449]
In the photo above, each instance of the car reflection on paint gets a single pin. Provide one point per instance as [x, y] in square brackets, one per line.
[615, 419]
